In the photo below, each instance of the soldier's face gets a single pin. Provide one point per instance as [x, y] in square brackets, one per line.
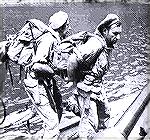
[112, 35]
[66, 30]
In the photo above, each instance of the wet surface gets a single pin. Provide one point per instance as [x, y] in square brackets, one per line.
[130, 64]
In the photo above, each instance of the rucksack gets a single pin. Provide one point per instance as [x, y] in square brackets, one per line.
[21, 47]
[65, 49]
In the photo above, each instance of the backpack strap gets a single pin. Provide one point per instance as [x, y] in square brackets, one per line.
[11, 77]
[6, 60]
[20, 70]
[34, 41]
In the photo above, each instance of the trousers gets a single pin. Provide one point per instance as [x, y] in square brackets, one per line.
[49, 115]
[88, 122]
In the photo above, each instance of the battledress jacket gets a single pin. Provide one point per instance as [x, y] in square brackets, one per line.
[46, 44]
[89, 62]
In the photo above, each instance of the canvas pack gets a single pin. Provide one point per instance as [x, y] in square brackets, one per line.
[21, 47]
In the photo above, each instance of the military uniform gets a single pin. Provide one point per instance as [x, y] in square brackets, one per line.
[40, 82]
[87, 65]
[39, 86]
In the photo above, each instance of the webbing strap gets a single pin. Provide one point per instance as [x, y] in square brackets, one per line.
[11, 77]
[34, 41]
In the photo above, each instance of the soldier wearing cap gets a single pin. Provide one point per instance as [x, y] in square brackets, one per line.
[39, 81]
[86, 66]
[61, 24]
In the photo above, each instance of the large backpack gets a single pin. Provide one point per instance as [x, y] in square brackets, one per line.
[22, 45]
[66, 47]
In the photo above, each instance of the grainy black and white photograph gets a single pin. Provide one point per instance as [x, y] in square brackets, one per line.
[74, 69]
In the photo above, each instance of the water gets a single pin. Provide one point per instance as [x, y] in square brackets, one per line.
[129, 70]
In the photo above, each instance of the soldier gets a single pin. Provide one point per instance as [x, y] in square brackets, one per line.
[86, 67]
[40, 83]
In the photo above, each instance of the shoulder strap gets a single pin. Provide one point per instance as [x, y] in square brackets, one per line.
[34, 41]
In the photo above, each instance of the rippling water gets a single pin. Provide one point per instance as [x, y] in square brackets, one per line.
[129, 69]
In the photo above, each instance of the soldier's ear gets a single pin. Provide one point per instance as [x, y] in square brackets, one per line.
[105, 31]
